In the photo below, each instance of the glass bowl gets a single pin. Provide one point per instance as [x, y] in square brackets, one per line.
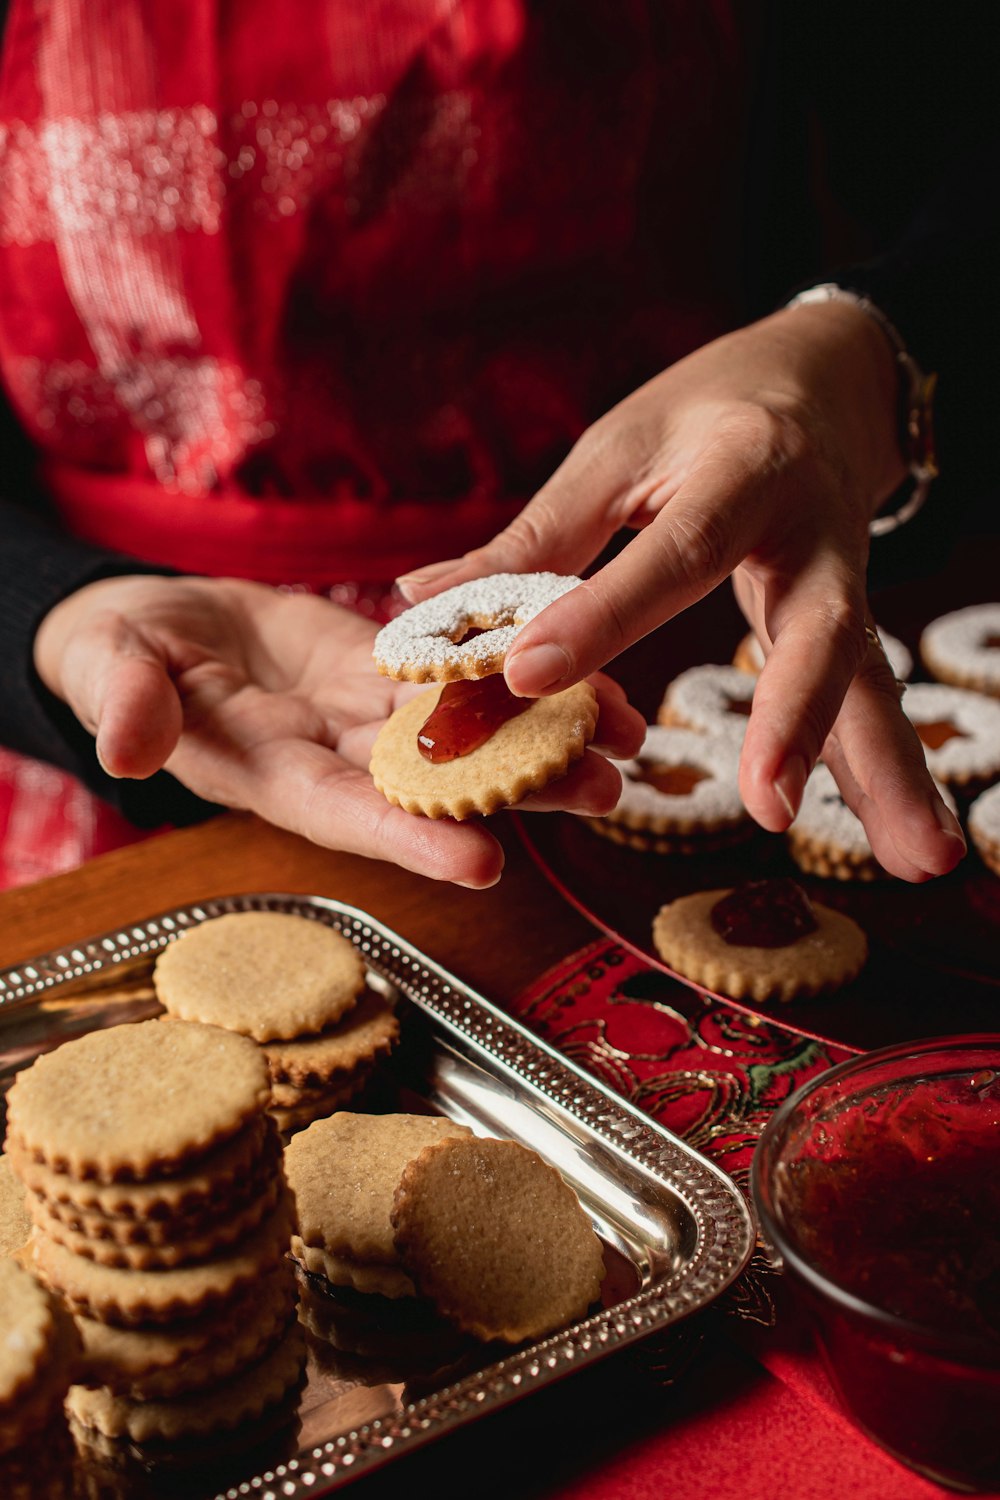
[878, 1185]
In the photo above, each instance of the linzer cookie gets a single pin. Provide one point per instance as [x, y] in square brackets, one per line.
[527, 751]
[960, 733]
[763, 941]
[343, 1172]
[465, 631]
[749, 657]
[679, 795]
[963, 648]
[984, 827]
[828, 839]
[496, 1239]
[127, 1102]
[225, 1404]
[265, 974]
[714, 700]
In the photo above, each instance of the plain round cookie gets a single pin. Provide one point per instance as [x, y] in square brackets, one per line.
[496, 1239]
[524, 755]
[343, 1172]
[136, 1100]
[243, 1397]
[369, 1030]
[266, 974]
[957, 648]
[27, 1331]
[818, 961]
[426, 643]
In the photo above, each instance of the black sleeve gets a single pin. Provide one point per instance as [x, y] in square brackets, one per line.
[41, 565]
[888, 112]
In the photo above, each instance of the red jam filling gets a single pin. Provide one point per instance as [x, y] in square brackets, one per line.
[673, 781]
[992, 642]
[764, 914]
[937, 733]
[466, 715]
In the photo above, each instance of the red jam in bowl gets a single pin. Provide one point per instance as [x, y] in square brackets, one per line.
[879, 1185]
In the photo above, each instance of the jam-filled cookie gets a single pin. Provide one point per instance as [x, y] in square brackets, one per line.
[714, 700]
[960, 733]
[679, 795]
[828, 839]
[963, 648]
[762, 941]
[984, 827]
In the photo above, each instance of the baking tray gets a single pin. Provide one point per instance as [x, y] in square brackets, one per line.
[675, 1228]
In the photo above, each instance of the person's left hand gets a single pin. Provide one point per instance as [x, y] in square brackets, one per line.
[269, 701]
[763, 457]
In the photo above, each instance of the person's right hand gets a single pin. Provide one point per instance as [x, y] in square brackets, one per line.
[269, 701]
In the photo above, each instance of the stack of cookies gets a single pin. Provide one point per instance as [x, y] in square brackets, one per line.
[296, 988]
[406, 1205]
[162, 1221]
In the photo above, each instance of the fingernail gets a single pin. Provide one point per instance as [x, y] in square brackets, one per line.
[536, 669]
[407, 583]
[790, 783]
[947, 821]
[106, 768]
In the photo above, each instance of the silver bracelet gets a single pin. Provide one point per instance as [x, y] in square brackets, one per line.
[917, 428]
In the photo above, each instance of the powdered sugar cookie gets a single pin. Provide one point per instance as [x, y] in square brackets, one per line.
[828, 839]
[523, 755]
[496, 1239]
[960, 733]
[714, 700]
[749, 656]
[432, 643]
[265, 974]
[763, 941]
[984, 827]
[963, 648]
[679, 794]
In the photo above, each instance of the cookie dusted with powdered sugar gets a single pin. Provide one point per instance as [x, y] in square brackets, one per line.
[428, 642]
[960, 733]
[714, 700]
[828, 839]
[984, 827]
[963, 648]
[680, 794]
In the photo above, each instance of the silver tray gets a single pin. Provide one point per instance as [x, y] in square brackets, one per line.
[676, 1229]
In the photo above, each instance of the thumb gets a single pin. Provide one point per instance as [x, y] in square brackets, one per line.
[118, 685]
[560, 530]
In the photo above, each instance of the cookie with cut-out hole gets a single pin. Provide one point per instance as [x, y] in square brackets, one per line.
[679, 795]
[963, 648]
[828, 839]
[960, 732]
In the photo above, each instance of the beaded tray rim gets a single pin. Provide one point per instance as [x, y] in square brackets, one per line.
[726, 1231]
